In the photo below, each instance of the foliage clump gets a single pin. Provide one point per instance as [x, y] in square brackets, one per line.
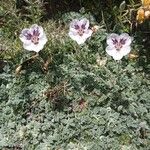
[70, 96]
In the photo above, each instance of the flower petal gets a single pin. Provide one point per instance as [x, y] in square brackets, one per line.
[110, 50]
[112, 37]
[34, 27]
[76, 38]
[43, 39]
[80, 39]
[125, 50]
[127, 39]
[28, 47]
[114, 53]
[38, 29]
[87, 34]
[33, 47]
[73, 25]
[84, 23]
[23, 36]
[117, 56]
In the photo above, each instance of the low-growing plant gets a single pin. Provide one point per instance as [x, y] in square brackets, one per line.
[72, 95]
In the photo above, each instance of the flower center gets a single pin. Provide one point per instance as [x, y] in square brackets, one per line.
[34, 36]
[35, 39]
[118, 44]
[80, 32]
[80, 29]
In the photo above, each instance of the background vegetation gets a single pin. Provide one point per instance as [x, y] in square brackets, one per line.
[73, 97]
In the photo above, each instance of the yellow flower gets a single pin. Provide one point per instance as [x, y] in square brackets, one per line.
[144, 11]
[140, 15]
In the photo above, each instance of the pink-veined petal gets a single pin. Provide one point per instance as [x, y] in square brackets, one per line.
[38, 29]
[84, 24]
[33, 28]
[24, 36]
[75, 23]
[127, 39]
[111, 38]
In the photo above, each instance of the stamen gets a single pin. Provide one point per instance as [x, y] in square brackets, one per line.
[118, 46]
[35, 39]
[80, 32]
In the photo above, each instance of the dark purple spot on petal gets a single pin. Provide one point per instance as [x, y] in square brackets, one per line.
[28, 36]
[115, 41]
[122, 41]
[76, 27]
[36, 32]
[83, 26]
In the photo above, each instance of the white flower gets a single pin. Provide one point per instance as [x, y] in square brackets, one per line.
[118, 45]
[79, 30]
[33, 38]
